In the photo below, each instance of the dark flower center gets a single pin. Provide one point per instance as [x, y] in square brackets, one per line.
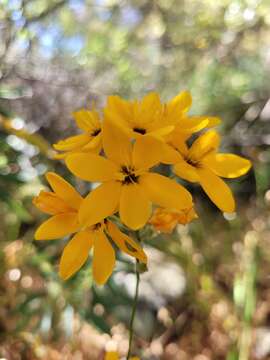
[139, 130]
[95, 132]
[130, 177]
[96, 226]
[192, 162]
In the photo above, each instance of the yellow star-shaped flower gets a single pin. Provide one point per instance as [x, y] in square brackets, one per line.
[63, 204]
[127, 184]
[150, 116]
[201, 163]
[176, 112]
[91, 139]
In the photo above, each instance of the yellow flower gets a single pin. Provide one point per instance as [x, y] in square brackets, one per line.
[176, 112]
[63, 204]
[201, 163]
[165, 220]
[127, 185]
[151, 117]
[90, 141]
[139, 117]
[77, 250]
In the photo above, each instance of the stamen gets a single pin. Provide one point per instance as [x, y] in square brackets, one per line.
[193, 162]
[96, 226]
[139, 130]
[96, 132]
[130, 177]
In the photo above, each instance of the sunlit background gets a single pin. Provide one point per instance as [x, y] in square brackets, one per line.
[207, 292]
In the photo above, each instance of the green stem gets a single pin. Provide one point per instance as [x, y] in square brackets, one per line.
[134, 308]
[248, 305]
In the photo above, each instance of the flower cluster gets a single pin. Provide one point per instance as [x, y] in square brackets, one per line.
[120, 150]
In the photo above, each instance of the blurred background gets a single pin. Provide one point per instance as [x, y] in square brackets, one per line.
[207, 292]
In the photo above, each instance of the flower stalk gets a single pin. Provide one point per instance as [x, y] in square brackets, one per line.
[134, 309]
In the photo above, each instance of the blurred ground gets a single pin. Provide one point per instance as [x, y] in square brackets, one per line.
[206, 295]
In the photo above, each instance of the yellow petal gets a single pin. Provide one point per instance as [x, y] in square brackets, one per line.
[186, 171]
[87, 120]
[118, 108]
[180, 103]
[148, 109]
[192, 124]
[91, 167]
[165, 192]
[94, 143]
[75, 254]
[135, 207]
[213, 121]
[100, 203]
[73, 142]
[217, 190]
[205, 144]
[58, 226]
[103, 258]
[165, 220]
[170, 155]
[161, 131]
[116, 144]
[178, 141]
[147, 152]
[125, 243]
[227, 165]
[61, 156]
[64, 190]
[150, 103]
[50, 203]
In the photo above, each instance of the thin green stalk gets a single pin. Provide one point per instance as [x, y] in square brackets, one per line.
[245, 294]
[134, 308]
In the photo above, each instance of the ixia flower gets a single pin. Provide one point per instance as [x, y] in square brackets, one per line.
[77, 250]
[63, 204]
[151, 117]
[201, 163]
[91, 139]
[177, 109]
[139, 117]
[127, 185]
[165, 220]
